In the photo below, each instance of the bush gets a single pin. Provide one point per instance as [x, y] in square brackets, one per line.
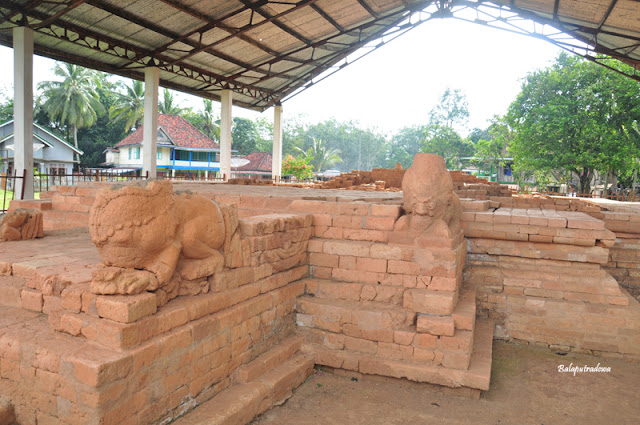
[298, 167]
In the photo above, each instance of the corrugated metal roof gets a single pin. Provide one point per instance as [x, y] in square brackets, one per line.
[267, 51]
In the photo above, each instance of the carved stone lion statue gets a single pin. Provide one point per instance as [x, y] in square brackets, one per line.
[429, 200]
[152, 239]
[21, 224]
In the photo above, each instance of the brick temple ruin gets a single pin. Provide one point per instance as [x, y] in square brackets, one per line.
[143, 303]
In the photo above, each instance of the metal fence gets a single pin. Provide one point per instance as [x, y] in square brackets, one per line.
[191, 177]
[42, 181]
[8, 184]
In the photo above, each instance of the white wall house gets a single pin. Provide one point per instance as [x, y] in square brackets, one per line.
[182, 149]
[51, 154]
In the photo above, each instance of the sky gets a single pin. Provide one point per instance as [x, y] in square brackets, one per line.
[397, 85]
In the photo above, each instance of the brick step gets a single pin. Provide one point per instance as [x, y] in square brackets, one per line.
[540, 251]
[10, 289]
[240, 403]
[375, 320]
[7, 416]
[471, 205]
[463, 314]
[353, 291]
[38, 204]
[269, 360]
[601, 288]
[404, 344]
[51, 224]
[477, 375]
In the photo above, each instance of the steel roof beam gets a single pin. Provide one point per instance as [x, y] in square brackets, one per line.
[368, 8]
[256, 7]
[70, 6]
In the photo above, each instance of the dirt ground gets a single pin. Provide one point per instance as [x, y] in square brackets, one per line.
[526, 388]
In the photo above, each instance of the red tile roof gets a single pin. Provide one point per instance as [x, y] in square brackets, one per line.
[182, 132]
[259, 161]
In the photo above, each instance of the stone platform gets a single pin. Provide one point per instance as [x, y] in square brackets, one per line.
[358, 296]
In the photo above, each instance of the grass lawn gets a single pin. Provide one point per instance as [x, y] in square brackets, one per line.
[6, 196]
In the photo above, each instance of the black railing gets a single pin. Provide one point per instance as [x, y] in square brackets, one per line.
[8, 185]
[43, 181]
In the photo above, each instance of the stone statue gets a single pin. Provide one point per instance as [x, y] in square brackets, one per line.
[429, 201]
[21, 224]
[152, 239]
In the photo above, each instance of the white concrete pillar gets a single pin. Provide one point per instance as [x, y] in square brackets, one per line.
[226, 101]
[150, 121]
[23, 108]
[276, 159]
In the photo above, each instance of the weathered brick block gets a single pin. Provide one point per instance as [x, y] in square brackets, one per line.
[385, 210]
[323, 260]
[403, 267]
[430, 302]
[126, 308]
[380, 223]
[32, 299]
[378, 265]
[435, 325]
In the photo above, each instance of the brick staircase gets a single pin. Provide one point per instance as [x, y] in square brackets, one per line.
[365, 328]
[256, 387]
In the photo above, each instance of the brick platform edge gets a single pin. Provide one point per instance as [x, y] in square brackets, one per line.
[534, 267]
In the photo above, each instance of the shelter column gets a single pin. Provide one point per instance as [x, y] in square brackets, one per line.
[226, 101]
[276, 159]
[23, 109]
[150, 121]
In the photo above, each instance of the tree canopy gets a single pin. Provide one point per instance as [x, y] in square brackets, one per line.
[570, 118]
[74, 100]
[129, 106]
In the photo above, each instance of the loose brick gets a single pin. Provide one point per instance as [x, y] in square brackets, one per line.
[126, 308]
[435, 325]
[427, 301]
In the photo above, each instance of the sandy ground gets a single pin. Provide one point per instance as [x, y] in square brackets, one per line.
[526, 388]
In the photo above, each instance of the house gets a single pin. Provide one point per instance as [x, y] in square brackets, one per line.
[182, 149]
[258, 166]
[51, 154]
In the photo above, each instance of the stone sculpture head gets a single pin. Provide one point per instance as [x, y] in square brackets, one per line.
[120, 220]
[427, 187]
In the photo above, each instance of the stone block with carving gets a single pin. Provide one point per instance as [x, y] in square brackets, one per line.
[428, 199]
[21, 224]
[152, 239]
[431, 228]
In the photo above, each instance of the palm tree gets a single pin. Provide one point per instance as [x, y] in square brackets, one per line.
[74, 100]
[129, 106]
[321, 155]
[211, 123]
[168, 106]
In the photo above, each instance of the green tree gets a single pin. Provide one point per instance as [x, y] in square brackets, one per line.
[320, 155]
[168, 104]
[452, 110]
[446, 142]
[129, 106]
[6, 107]
[74, 100]
[493, 150]
[265, 135]
[478, 134]
[570, 117]
[206, 120]
[244, 135]
[404, 145]
[105, 133]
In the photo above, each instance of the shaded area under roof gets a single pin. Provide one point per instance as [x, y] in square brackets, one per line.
[267, 51]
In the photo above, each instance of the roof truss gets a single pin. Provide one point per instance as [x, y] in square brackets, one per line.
[267, 51]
